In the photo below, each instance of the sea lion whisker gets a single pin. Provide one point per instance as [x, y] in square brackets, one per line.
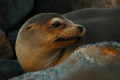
[65, 31]
[66, 35]
[59, 37]
[71, 32]
[69, 36]
[75, 33]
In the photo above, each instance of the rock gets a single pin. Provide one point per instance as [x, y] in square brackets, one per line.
[12, 11]
[65, 6]
[88, 56]
[12, 39]
[95, 3]
[99, 73]
[50, 6]
[9, 68]
[5, 47]
[12, 36]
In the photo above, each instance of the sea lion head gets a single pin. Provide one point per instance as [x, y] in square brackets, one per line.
[46, 40]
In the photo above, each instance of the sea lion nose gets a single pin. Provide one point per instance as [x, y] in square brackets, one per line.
[80, 27]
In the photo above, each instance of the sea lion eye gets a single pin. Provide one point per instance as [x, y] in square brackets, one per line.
[55, 25]
[29, 27]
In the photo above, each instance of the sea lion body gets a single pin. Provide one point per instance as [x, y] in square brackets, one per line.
[101, 24]
[46, 40]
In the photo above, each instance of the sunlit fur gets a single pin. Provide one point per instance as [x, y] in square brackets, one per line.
[39, 47]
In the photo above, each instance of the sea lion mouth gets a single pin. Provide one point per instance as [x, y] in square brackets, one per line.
[59, 39]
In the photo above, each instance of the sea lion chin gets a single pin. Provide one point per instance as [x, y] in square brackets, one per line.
[46, 40]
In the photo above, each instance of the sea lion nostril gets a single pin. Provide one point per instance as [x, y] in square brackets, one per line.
[80, 27]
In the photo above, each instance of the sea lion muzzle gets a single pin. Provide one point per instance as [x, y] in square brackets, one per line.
[70, 34]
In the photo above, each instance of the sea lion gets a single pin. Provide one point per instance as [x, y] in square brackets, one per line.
[46, 40]
[101, 24]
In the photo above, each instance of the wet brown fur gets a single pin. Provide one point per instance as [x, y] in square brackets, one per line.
[39, 47]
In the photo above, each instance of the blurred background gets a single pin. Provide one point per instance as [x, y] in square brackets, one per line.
[14, 13]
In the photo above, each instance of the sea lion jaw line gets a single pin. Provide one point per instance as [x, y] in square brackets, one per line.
[36, 48]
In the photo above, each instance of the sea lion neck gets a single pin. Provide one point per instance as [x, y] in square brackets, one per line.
[63, 54]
